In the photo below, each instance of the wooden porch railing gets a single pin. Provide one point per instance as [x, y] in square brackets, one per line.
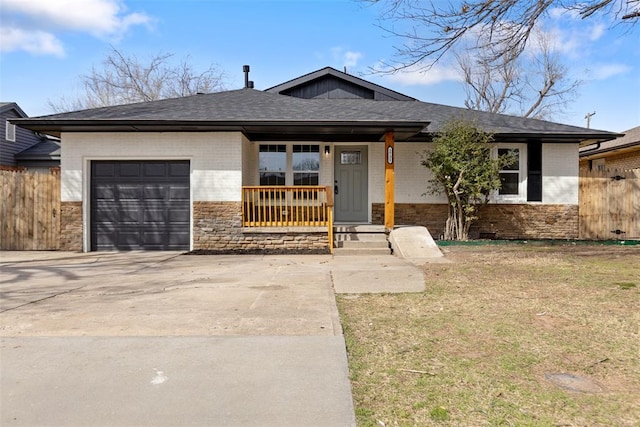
[279, 206]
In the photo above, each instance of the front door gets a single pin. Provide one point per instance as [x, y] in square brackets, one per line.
[350, 186]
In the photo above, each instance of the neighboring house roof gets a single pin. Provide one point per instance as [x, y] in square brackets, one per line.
[6, 106]
[23, 140]
[629, 142]
[272, 116]
[48, 149]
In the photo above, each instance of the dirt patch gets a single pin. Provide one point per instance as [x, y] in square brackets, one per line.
[576, 383]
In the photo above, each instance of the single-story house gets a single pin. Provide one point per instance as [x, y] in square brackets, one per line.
[622, 153]
[22, 149]
[276, 168]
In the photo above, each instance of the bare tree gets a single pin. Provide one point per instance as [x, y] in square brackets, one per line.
[438, 26]
[535, 84]
[124, 79]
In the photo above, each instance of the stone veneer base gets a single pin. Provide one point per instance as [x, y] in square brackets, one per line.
[499, 221]
[71, 226]
[217, 227]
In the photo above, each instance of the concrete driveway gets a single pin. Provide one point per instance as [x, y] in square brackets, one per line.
[165, 294]
[164, 339]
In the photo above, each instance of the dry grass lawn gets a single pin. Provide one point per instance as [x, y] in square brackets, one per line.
[481, 345]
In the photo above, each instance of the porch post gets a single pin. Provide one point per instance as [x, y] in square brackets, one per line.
[389, 179]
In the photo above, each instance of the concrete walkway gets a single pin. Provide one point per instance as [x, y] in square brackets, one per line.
[165, 339]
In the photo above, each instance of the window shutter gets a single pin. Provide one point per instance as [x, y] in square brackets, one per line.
[534, 171]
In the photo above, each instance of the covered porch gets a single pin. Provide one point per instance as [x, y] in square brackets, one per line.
[310, 208]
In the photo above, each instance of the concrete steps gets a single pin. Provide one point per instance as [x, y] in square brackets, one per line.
[360, 240]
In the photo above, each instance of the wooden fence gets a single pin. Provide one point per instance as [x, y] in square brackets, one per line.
[610, 204]
[29, 210]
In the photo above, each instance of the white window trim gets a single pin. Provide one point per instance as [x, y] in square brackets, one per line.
[10, 131]
[289, 172]
[521, 197]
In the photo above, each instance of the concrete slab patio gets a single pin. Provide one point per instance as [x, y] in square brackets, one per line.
[162, 338]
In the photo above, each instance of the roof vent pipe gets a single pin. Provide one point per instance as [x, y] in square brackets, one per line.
[250, 84]
[246, 69]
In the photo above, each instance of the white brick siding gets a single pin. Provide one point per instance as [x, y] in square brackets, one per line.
[216, 159]
[560, 174]
[412, 179]
[376, 173]
[218, 174]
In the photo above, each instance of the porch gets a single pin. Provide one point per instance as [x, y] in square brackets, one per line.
[288, 209]
[303, 209]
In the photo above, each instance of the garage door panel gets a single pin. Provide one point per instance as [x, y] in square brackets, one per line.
[153, 216]
[104, 192]
[179, 192]
[129, 169]
[128, 239]
[179, 169]
[154, 237]
[153, 169]
[176, 239]
[129, 192]
[128, 216]
[179, 216]
[109, 215]
[103, 240]
[155, 192]
[140, 205]
[103, 170]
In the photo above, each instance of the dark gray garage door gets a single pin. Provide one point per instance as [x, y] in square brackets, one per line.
[140, 205]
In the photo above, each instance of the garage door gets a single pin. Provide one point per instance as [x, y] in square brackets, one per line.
[140, 205]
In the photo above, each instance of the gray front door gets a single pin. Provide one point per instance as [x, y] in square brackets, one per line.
[350, 186]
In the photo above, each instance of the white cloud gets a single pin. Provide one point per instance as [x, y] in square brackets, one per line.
[36, 42]
[32, 24]
[418, 76]
[561, 12]
[345, 58]
[351, 59]
[596, 32]
[605, 71]
[571, 34]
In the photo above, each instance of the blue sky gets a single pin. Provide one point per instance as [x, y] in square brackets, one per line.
[45, 45]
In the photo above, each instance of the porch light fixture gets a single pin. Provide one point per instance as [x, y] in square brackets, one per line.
[327, 150]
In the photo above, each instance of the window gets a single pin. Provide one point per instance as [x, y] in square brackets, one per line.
[598, 164]
[297, 164]
[10, 131]
[350, 158]
[510, 175]
[514, 176]
[273, 164]
[306, 164]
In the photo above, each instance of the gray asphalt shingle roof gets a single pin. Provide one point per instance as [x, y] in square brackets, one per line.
[254, 106]
[47, 149]
[630, 140]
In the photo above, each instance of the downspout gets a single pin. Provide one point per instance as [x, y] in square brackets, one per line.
[597, 144]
